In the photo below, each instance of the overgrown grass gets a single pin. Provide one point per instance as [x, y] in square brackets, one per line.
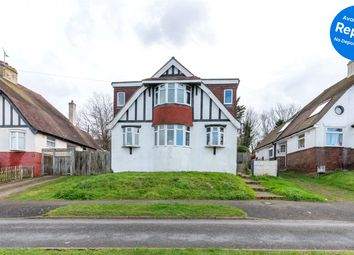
[144, 251]
[290, 190]
[336, 186]
[155, 185]
[148, 210]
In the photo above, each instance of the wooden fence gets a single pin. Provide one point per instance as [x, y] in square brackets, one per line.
[71, 162]
[14, 173]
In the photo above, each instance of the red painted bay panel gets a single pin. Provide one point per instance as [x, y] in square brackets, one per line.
[172, 114]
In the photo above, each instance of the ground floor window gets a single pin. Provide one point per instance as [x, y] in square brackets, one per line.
[17, 140]
[131, 136]
[215, 135]
[177, 135]
[301, 141]
[334, 137]
[270, 153]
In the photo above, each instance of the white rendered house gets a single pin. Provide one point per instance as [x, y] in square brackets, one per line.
[175, 121]
[320, 136]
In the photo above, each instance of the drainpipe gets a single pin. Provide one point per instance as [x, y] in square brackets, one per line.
[275, 150]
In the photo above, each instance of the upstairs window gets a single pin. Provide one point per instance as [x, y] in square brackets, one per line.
[215, 136]
[131, 136]
[50, 142]
[173, 93]
[228, 96]
[17, 140]
[334, 137]
[174, 135]
[120, 99]
[301, 141]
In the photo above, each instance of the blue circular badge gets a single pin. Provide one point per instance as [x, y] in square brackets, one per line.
[342, 33]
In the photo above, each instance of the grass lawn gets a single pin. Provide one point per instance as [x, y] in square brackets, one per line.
[142, 185]
[289, 189]
[148, 210]
[159, 252]
[336, 186]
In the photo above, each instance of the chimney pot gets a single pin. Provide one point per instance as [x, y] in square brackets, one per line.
[350, 68]
[72, 112]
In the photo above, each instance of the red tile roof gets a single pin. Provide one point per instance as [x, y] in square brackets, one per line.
[44, 117]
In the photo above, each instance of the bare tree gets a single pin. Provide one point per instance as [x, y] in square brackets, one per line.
[250, 129]
[276, 116]
[94, 118]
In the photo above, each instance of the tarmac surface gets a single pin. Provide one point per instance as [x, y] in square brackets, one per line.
[272, 210]
[246, 234]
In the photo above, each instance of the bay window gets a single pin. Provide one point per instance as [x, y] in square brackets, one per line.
[131, 136]
[173, 135]
[17, 140]
[173, 93]
[215, 135]
[334, 137]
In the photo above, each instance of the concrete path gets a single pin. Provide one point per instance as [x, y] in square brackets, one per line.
[256, 234]
[272, 210]
[7, 189]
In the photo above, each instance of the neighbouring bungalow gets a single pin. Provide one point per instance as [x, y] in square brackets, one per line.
[319, 137]
[29, 123]
[175, 121]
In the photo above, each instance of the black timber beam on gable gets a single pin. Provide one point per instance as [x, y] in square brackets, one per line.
[34, 131]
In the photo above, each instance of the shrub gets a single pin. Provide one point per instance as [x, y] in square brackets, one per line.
[242, 148]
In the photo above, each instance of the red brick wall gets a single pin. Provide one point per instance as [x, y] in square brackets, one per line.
[332, 157]
[172, 114]
[129, 91]
[22, 158]
[218, 91]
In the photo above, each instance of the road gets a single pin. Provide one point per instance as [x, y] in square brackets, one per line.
[260, 234]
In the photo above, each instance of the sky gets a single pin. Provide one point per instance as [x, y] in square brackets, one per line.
[279, 49]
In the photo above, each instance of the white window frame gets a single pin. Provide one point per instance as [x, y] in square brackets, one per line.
[135, 134]
[175, 128]
[50, 142]
[16, 134]
[232, 96]
[339, 133]
[220, 136]
[120, 104]
[283, 146]
[270, 153]
[187, 93]
[300, 138]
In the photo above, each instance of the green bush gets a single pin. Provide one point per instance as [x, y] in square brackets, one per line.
[242, 148]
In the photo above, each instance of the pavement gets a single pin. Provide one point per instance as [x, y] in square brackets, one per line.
[271, 210]
[235, 234]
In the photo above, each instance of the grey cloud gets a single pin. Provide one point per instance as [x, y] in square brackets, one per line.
[175, 22]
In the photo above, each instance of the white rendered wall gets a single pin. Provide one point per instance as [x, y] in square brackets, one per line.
[263, 153]
[5, 139]
[265, 168]
[197, 157]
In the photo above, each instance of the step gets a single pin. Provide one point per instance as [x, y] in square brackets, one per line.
[257, 187]
[243, 175]
[268, 196]
[249, 181]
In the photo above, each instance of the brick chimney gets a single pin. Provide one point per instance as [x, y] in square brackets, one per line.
[8, 72]
[72, 112]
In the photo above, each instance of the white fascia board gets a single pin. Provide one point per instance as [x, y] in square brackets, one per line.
[170, 81]
[172, 62]
[126, 107]
[126, 84]
[283, 140]
[220, 81]
[232, 119]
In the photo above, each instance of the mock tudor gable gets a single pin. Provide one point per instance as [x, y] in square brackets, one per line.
[174, 112]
